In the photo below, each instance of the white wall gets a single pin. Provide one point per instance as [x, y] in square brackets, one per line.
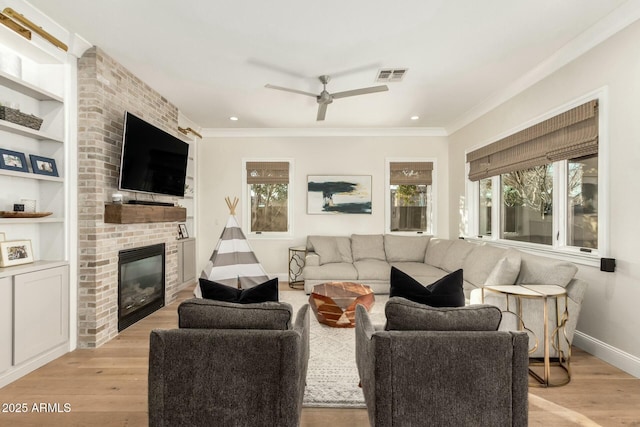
[610, 316]
[220, 175]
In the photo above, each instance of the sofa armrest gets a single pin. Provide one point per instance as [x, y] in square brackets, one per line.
[312, 259]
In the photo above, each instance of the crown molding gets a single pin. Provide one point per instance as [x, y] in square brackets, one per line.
[613, 23]
[311, 132]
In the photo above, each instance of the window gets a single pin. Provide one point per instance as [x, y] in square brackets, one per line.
[410, 196]
[547, 176]
[268, 190]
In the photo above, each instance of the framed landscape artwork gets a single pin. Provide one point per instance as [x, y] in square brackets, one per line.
[339, 194]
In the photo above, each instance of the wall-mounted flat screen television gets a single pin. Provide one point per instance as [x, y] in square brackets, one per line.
[153, 161]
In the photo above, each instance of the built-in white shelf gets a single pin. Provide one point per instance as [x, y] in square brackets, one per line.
[26, 88]
[29, 175]
[46, 219]
[25, 131]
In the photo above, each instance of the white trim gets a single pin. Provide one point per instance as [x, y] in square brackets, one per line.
[304, 132]
[246, 212]
[607, 353]
[434, 195]
[616, 21]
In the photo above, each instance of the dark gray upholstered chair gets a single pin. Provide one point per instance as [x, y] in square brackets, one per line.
[229, 365]
[455, 374]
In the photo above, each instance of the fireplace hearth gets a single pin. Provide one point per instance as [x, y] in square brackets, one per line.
[141, 283]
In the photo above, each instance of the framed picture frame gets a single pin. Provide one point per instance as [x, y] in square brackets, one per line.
[182, 231]
[15, 252]
[13, 161]
[43, 165]
[339, 194]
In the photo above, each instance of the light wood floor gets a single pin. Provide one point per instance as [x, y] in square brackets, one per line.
[108, 387]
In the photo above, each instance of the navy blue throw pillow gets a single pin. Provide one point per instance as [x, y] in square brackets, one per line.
[267, 291]
[445, 292]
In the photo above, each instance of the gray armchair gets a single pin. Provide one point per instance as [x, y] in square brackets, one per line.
[211, 371]
[460, 377]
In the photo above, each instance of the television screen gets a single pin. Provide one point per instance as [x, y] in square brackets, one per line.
[153, 161]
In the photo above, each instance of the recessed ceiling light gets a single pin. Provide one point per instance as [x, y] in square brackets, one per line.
[415, 117]
[233, 118]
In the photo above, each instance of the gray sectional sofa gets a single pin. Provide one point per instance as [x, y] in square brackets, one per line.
[368, 259]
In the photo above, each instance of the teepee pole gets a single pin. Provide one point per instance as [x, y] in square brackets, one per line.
[232, 204]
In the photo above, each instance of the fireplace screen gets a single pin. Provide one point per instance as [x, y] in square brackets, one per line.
[140, 283]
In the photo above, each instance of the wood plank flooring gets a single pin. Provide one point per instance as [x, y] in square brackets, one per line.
[108, 387]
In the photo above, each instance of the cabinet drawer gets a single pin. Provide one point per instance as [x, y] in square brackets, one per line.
[41, 312]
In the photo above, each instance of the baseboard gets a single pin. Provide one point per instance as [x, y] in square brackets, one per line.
[23, 369]
[612, 355]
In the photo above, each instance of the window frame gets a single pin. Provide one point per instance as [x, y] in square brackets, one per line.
[559, 248]
[387, 199]
[246, 200]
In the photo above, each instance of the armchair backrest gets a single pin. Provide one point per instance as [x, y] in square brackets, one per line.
[244, 377]
[442, 377]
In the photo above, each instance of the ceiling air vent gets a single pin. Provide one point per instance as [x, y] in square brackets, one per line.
[388, 75]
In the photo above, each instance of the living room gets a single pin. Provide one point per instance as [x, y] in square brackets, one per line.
[598, 62]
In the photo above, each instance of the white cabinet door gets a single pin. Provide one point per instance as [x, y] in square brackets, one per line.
[41, 312]
[189, 260]
[6, 323]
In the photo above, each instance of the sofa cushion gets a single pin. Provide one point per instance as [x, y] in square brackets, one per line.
[436, 251]
[372, 269]
[478, 264]
[545, 271]
[331, 248]
[445, 292]
[506, 270]
[267, 291]
[367, 246]
[456, 254]
[405, 315]
[405, 248]
[334, 271]
[210, 314]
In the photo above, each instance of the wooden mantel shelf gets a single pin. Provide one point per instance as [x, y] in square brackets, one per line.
[140, 214]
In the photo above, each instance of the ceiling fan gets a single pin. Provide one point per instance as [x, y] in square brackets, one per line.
[325, 98]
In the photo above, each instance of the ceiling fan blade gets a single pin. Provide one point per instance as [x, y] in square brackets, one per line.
[363, 91]
[301, 92]
[322, 112]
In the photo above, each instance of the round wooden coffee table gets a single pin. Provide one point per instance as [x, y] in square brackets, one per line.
[334, 303]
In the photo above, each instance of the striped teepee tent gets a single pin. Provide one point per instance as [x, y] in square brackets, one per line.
[233, 262]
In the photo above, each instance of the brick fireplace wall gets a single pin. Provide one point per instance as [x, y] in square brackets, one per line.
[105, 91]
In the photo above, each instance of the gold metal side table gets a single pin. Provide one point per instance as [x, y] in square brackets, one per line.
[297, 255]
[544, 293]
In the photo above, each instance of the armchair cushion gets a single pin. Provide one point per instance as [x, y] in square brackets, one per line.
[200, 313]
[267, 291]
[445, 292]
[405, 315]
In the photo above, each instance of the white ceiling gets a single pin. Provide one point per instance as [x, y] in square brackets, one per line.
[212, 58]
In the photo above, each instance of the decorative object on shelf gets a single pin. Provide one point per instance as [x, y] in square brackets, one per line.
[43, 165]
[116, 198]
[341, 194]
[24, 22]
[13, 160]
[186, 131]
[15, 252]
[18, 117]
[29, 205]
[14, 214]
[182, 231]
[18, 207]
[3, 237]
[188, 190]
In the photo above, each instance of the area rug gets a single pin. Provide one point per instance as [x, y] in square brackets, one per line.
[332, 375]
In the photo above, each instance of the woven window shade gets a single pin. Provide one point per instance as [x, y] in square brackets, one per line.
[410, 173]
[569, 135]
[267, 172]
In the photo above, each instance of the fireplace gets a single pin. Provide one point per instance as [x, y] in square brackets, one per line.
[141, 282]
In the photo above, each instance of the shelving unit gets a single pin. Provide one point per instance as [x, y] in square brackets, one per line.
[35, 322]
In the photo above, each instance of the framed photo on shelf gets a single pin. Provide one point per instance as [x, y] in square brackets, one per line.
[43, 165]
[182, 231]
[13, 161]
[15, 252]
